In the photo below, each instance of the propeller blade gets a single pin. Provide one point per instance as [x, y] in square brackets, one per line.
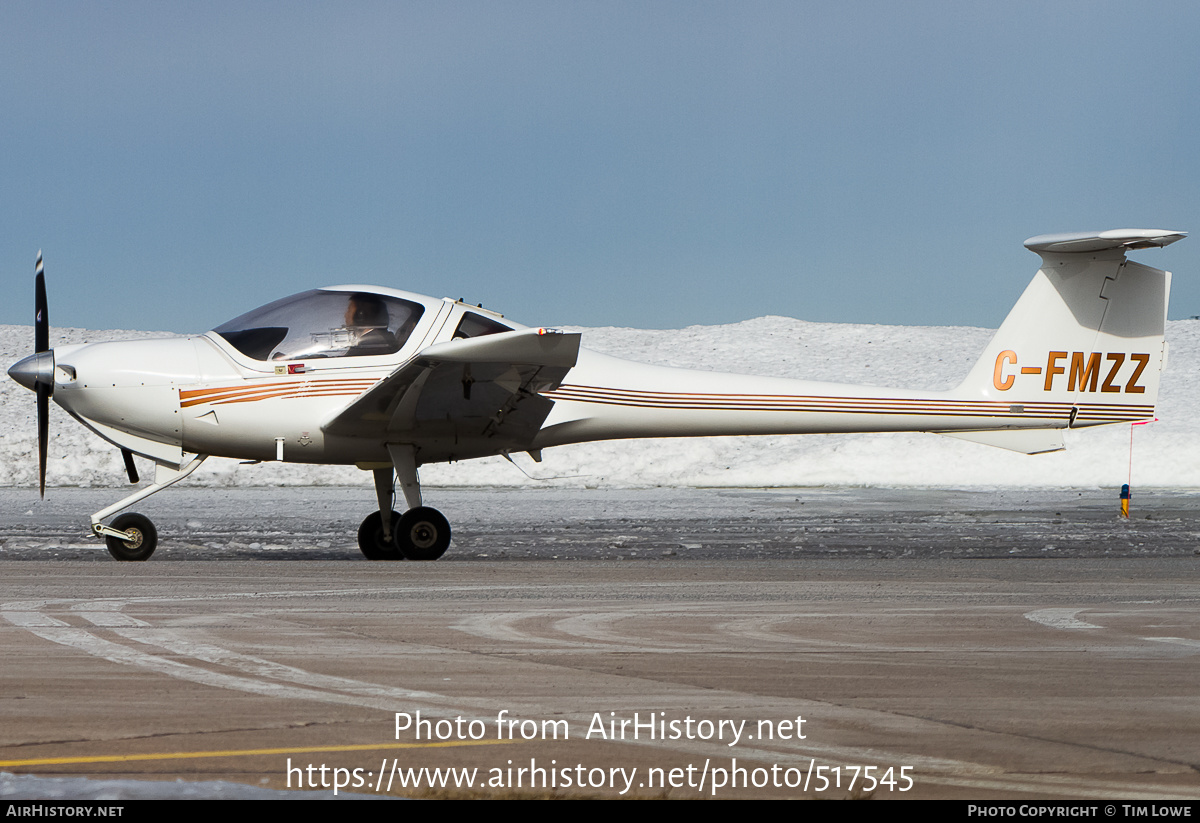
[41, 343]
[41, 317]
[43, 420]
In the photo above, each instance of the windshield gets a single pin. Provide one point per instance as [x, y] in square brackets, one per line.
[318, 323]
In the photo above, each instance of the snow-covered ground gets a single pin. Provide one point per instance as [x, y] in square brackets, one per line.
[1167, 453]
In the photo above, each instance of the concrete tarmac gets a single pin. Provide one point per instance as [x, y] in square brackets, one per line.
[658, 643]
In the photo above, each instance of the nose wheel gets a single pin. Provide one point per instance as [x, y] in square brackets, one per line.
[140, 541]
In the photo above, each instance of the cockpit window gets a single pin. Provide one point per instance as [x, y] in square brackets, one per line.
[317, 324]
[476, 325]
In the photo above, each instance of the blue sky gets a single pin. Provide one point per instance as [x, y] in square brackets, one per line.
[652, 164]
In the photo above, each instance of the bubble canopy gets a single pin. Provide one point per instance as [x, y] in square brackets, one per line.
[323, 323]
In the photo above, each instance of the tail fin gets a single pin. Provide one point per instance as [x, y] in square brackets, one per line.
[1084, 344]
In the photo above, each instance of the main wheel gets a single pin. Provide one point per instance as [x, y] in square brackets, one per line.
[423, 534]
[143, 542]
[374, 544]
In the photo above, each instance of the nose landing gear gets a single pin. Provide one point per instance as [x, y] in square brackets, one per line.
[132, 536]
[142, 538]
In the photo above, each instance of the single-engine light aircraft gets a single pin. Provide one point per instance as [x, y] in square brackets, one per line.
[389, 381]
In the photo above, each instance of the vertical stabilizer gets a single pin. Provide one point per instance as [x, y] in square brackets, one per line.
[1084, 344]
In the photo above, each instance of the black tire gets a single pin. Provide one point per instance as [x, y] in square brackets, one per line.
[143, 544]
[371, 538]
[423, 534]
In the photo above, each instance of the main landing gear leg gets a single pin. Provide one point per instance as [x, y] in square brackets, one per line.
[376, 535]
[132, 536]
[422, 533]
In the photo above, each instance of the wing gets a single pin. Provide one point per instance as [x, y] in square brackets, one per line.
[465, 398]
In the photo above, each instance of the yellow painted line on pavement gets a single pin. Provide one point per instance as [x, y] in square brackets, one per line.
[125, 758]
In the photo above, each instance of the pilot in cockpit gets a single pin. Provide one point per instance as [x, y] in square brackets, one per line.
[367, 318]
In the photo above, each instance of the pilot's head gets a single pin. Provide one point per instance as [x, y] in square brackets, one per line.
[365, 310]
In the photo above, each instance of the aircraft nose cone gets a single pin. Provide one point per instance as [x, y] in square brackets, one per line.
[34, 369]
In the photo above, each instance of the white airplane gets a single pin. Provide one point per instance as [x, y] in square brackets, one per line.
[389, 381]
